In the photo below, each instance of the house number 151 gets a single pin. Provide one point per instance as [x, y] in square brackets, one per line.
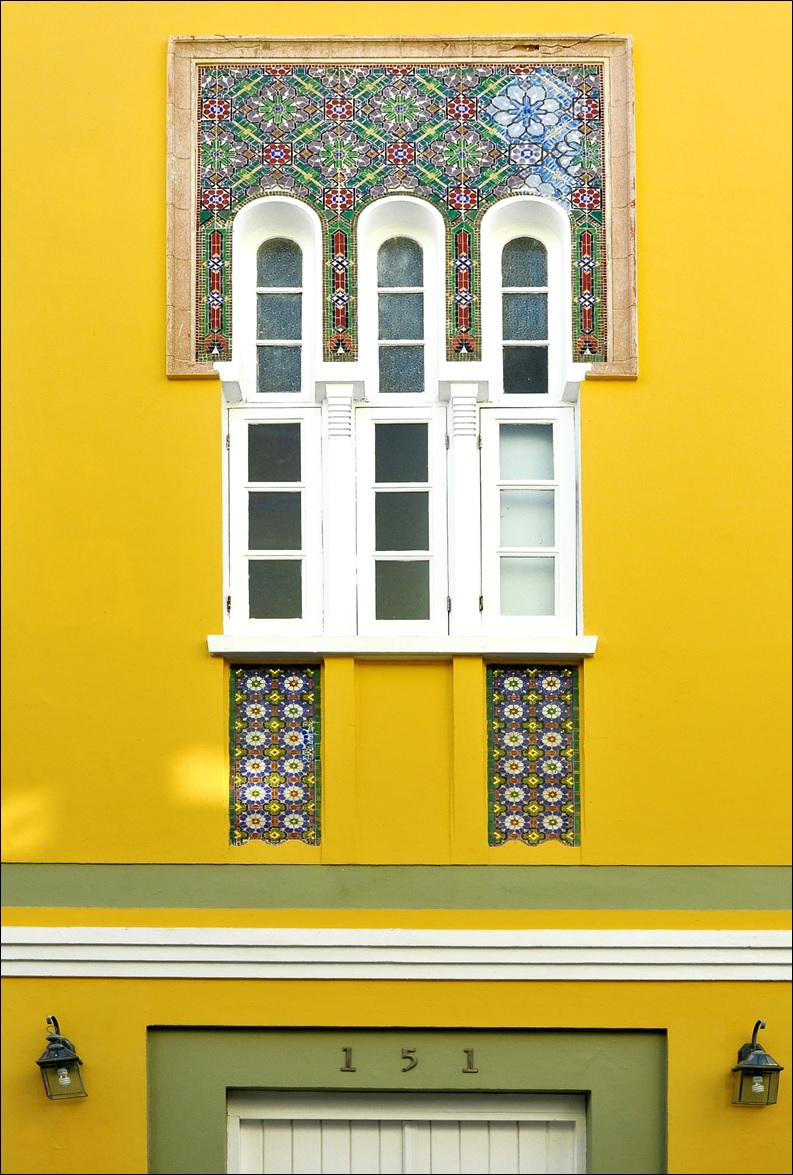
[409, 1056]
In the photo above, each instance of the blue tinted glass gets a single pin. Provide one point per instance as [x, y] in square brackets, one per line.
[524, 262]
[279, 263]
[274, 589]
[526, 370]
[273, 521]
[401, 316]
[402, 521]
[401, 369]
[400, 452]
[278, 316]
[400, 263]
[402, 590]
[273, 452]
[525, 316]
[278, 369]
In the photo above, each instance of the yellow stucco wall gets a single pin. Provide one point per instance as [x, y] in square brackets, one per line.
[107, 1131]
[116, 725]
[115, 739]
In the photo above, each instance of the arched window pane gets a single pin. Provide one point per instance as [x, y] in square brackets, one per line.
[279, 263]
[524, 262]
[400, 263]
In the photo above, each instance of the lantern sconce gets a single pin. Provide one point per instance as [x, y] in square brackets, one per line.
[60, 1066]
[756, 1081]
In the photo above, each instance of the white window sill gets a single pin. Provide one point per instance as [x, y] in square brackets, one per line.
[505, 648]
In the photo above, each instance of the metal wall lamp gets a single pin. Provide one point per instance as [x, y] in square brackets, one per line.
[60, 1066]
[756, 1081]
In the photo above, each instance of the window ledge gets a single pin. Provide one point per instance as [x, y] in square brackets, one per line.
[505, 648]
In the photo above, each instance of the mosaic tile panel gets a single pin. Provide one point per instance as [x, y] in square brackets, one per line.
[275, 754]
[459, 136]
[532, 754]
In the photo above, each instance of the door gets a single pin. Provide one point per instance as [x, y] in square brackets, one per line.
[372, 1133]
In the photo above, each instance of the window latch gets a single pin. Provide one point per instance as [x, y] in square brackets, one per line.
[481, 603]
[228, 605]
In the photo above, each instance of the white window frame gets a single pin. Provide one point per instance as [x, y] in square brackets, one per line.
[310, 488]
[262, 220]
[434, 416]
[401, 216]
[564, 551]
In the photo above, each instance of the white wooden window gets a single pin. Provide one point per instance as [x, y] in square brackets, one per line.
[400, 316]
[412, 1133]
[279, 316]
[275, 528]
[528, 521]
[401, 521]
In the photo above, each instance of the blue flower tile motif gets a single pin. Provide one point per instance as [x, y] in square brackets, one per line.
[532, 754]
[274, 788]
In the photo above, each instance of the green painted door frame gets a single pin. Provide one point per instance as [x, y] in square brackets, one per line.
[623, 1074]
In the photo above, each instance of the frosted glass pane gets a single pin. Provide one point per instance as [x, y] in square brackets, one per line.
[274, 589]
[524, 262]
[526, 452]
[400, 263]
[526, 370]
[278, 369]
[527, 518]
[402, 590]
[273, 521]
[401, 369]
[527, 586]
[279, 263]
[401, 316]
[402, 522]
[400, 452]
[279, 316]
[525, 316]
[273, 452]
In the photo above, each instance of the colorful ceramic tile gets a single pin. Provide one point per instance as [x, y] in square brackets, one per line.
[459, 136]
[532, 754]
[275, 754]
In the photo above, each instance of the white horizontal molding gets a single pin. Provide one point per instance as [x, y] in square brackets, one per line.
[506, 648]
[186, 953]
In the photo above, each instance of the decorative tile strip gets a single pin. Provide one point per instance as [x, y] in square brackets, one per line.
[274, 754]
[532, 754]
[459, 136]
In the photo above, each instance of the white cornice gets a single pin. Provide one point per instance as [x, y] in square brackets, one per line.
[505, 648]
[156, 952]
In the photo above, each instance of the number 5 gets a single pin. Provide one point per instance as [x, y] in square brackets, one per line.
[409, 1055]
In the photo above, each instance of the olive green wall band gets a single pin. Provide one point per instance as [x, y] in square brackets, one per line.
[399, 887]
[190, 1070]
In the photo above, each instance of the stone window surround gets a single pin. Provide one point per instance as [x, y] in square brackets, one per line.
[615, 52]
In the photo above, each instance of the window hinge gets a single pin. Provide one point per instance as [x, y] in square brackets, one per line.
[228, 441]
[228, 605]
[481, 603]
[448, 603]
[479, 441]
[447, 440]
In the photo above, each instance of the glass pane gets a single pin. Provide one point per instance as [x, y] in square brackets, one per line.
[279, 263]
[527, 586]
[400, 452]
[273, 452]
[400, 263]
[278, 369]
[274, 589]
[402, 522]
[273, 521]
[402, 590]
[401, 316]
[401, 369]
[524, 316]
[278, 316]
[526, 370]
[526, 452]
[527, 518]
[524, 262]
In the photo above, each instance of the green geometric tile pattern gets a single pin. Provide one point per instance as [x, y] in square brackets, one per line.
[458, 136]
